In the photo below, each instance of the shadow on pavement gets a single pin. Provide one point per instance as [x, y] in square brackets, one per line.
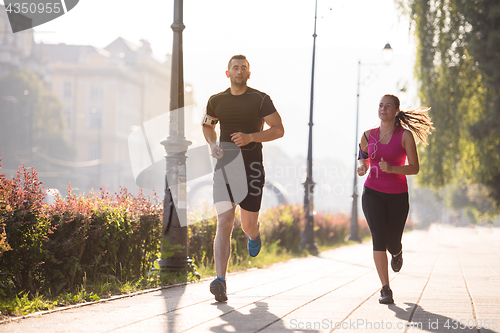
[434, 322]
[258, 319]
[172, 297]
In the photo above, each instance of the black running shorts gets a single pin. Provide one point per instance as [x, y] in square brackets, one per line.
[239, 178]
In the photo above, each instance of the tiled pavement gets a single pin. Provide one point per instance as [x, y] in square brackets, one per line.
[450, 282]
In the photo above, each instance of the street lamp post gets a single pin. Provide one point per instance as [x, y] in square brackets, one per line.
[354, 232]
[309, 184]
[354, 236]
[176, 147]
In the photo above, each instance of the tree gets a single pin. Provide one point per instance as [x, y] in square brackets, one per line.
[457, 67]
[32, 123]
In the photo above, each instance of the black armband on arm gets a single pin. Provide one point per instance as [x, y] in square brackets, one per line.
[363, 155]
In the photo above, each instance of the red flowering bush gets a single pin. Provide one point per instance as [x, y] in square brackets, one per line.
[287, 223]
[4, 246]
[26, 228]
[102, 235]
[333, 229]
[54, 246]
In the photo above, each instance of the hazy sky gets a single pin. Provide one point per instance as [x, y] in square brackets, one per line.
[276, 37]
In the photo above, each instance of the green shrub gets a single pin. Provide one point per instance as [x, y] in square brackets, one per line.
[284, 225]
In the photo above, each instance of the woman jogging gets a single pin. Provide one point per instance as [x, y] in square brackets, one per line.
[383, 152]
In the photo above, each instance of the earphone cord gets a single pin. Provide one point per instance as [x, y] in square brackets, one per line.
[375, 147]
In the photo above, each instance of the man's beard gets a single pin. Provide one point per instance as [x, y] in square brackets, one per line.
[239, 83]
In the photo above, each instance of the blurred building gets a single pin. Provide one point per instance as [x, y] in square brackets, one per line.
[106, 93]
[16, 50]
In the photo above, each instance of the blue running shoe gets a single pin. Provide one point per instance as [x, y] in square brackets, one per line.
[218, 289]
[254, 246]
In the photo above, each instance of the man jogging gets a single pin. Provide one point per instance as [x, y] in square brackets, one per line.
[239, 172]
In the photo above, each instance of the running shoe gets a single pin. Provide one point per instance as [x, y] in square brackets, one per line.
[397, 262]
[254, 246]
[218, 288]
[386, 295]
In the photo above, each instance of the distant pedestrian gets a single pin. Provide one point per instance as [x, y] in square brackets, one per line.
[383, 152]
[241, 112]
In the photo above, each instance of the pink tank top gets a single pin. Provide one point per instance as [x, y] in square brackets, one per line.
[394, 154]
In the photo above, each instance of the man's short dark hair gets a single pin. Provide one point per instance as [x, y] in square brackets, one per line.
[238, 57]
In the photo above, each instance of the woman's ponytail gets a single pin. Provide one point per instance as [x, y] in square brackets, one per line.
[415, 120]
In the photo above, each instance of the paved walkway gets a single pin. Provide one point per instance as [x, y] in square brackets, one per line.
[450, 282]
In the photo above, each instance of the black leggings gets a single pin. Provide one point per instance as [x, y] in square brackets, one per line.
[386, 215]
